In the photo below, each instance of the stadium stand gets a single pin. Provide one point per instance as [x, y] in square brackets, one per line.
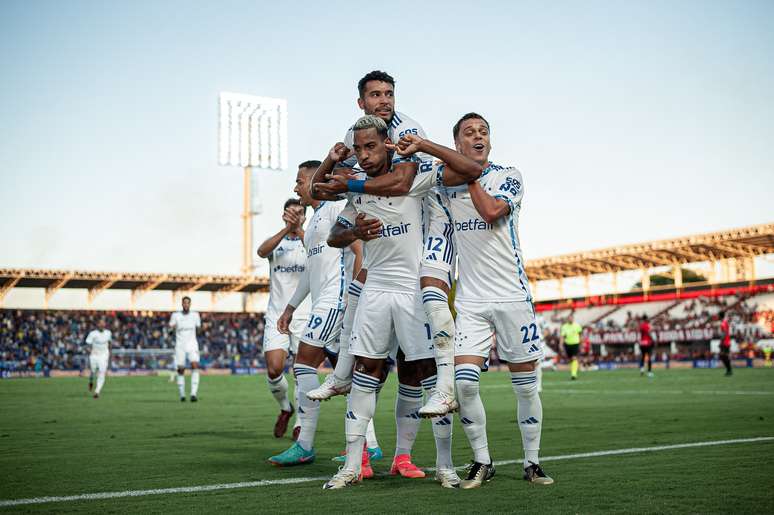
[44, 340]
[684, 327]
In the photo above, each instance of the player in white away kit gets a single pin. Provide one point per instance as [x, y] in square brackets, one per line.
[287, 261]
[376, 97]
[391, 306]
[325, 279]
[99, 360]
[492, 294]
[185, 323]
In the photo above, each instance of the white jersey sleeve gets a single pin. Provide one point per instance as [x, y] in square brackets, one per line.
[508, 185]
[90, 337]
[347, 215]
[173, 320]
[428, 175]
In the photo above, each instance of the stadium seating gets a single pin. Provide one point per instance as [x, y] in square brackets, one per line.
[45, 339]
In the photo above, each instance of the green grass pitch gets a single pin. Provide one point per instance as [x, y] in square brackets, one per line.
[55, 440]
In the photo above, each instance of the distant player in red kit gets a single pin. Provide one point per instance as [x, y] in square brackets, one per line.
[586, 348]
[646, 346]
[725, 342]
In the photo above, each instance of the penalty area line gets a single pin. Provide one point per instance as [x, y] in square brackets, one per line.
[289, 481]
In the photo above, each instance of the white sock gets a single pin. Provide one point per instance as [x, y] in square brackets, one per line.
[308, 410]
[442, 431]
[181, 384]
[407, 419]
[346, 361]
[360, 412]
[530, 413]
[436, 304]
[279, 389]
[297, 422]
[472, 414]
[371, 440]
[194, 382]
[100, 381]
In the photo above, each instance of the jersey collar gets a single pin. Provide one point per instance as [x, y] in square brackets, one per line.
[489, 166]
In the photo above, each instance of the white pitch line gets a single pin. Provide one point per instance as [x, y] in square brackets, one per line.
[290, 481]
[643, 391]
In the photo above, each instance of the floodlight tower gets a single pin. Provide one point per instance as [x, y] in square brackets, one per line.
[253, 134]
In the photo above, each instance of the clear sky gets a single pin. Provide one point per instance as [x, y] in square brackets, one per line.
[630, 120]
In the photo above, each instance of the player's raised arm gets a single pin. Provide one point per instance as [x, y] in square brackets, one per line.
[394, 184]
[458, 168]
[490, 208]
[507, 193]
[338, 153]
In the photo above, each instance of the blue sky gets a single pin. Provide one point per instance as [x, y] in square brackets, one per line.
[630, 120]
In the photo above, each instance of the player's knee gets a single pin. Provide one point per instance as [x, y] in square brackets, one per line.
[467, 389]
[525, 391]
[371, 367]
[274, 371]
[440, 317]
[410, 373]
[181, 370]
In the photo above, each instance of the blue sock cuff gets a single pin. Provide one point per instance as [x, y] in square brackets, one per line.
[409, 392]
[467, 372]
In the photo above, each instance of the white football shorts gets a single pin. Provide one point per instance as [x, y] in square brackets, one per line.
[519, 338]
[99, 362]
[323, 328]
[273, 339]
[439, 254]
[188, 351]
[385, 320]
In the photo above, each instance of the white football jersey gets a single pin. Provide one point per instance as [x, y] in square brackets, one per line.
[400, 126]
[99, 341]
[393, 260]
[185, 327]
[325, 265]
[491, 266]
[287, 264]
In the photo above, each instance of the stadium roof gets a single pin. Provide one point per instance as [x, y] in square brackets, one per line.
[95, 282]
[744, 242]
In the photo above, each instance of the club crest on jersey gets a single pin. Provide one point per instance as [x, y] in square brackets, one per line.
[315, 250]
[395, 230]
[474, 224]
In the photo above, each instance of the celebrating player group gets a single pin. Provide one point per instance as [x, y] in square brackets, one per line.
[397, 220]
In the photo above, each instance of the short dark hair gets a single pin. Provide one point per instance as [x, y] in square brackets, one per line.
[292, 202]
[374, 75]
[187, 297]
[371, 121]
[469, 116]
[312, 163]
[722, 314]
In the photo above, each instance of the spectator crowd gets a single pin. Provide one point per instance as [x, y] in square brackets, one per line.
[40, 340]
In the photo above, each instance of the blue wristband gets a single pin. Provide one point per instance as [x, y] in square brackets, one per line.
[356, 186]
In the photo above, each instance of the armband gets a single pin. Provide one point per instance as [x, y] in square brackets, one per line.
[356, 186]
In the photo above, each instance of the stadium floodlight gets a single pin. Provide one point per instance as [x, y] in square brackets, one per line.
[253, 134]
